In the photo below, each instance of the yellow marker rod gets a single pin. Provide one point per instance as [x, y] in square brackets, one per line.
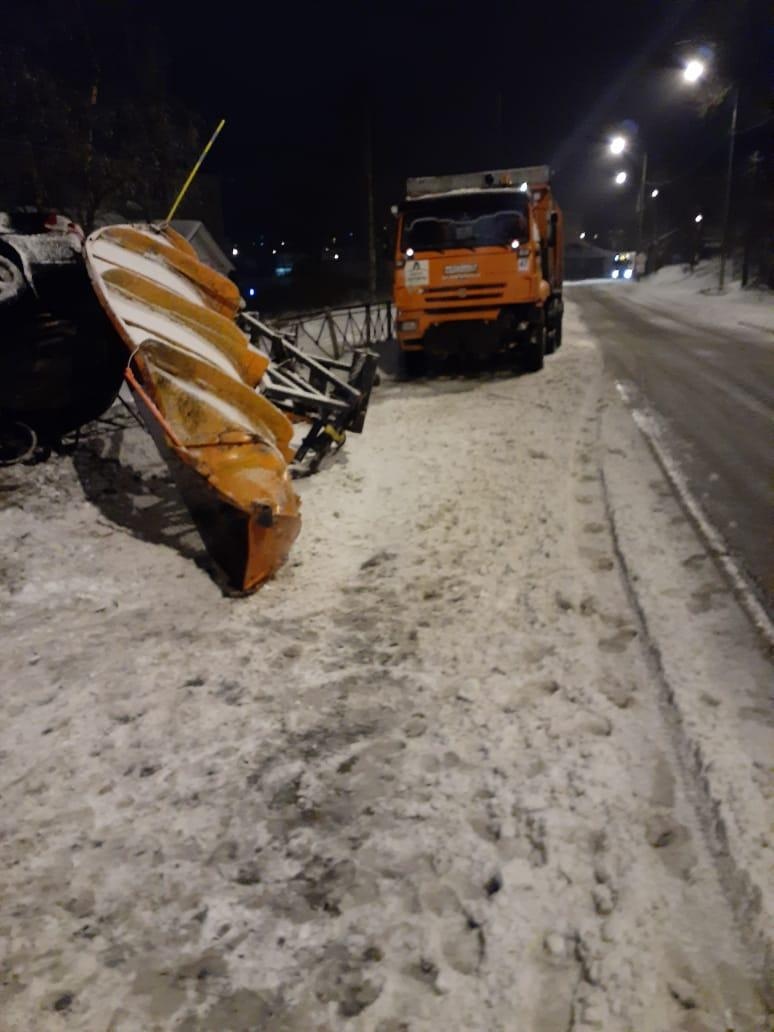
[194, 170]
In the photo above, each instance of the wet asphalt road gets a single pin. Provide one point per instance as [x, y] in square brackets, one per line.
[713, 389]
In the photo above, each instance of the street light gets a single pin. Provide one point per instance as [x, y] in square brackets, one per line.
[235, 251]
[694, 70]
[618, 145]
[699, 218]
[654, 193]
[583, 236]
[621, 177]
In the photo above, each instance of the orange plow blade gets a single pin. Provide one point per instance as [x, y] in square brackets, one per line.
[193, 376]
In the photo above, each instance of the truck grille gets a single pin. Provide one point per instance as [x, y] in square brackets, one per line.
[462, 293]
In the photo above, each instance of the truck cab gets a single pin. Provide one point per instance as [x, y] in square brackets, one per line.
[478, 266]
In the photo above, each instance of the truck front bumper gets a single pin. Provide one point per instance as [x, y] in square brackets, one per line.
[413, 326]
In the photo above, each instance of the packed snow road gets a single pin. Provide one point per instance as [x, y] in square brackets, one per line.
[491, 754]
[713, 388]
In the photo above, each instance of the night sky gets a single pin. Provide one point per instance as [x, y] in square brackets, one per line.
[448, 86]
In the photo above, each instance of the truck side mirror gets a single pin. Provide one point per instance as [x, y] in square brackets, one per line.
[552, 235]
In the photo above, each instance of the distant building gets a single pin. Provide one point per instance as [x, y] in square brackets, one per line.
[587, 261]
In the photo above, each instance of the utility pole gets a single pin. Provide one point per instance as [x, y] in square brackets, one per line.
[641, 204]
[369, 163]
[751, 195]
[729, 181]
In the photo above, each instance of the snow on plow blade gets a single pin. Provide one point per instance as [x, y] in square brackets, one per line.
[193, 377]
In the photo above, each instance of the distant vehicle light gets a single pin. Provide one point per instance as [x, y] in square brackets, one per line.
[409, 252]
[274, 250]
[615, 273]
[583, 236]
[514, 245]
[235, 251]
[627, 273]
[618, 257]
[335, 257]
[251, 291]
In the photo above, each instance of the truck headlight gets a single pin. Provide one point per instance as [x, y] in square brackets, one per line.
[407, 325]
[615, 273]
[627, 273]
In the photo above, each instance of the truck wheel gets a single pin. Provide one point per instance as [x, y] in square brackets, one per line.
[12, 285]
[554, 334]
[533, 351]
[411, 364]
[558, 334]
[17, 442]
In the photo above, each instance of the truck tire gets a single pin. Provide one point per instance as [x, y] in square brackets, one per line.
[533, 350]
[558, 334]
[411, 364]
[12, 284]
[18, 442]
[554, 328]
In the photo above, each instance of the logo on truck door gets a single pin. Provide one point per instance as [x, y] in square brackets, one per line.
[417, 272]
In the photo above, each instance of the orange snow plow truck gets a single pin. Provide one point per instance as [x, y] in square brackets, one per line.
[478, 266]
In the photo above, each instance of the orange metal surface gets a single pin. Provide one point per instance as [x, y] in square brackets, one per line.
[209, 325]
[216, 291]
[496, 282]
[498, 277]
[194, 375]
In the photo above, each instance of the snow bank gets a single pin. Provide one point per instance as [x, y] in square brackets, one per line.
[694, 295]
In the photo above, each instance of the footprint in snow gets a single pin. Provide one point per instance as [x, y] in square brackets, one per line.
[619, 641]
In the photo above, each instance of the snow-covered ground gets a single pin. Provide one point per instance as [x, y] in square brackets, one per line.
[693, 296]
[491, 753]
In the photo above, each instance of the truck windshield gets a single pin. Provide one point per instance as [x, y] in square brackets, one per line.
[466, 220]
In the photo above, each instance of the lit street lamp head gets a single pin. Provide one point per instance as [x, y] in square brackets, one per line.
[618, 145]
[654, 193]
[699, 217]
[693, 70]
[621, 177]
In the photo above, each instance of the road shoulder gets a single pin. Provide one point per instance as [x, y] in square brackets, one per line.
[711, 667]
